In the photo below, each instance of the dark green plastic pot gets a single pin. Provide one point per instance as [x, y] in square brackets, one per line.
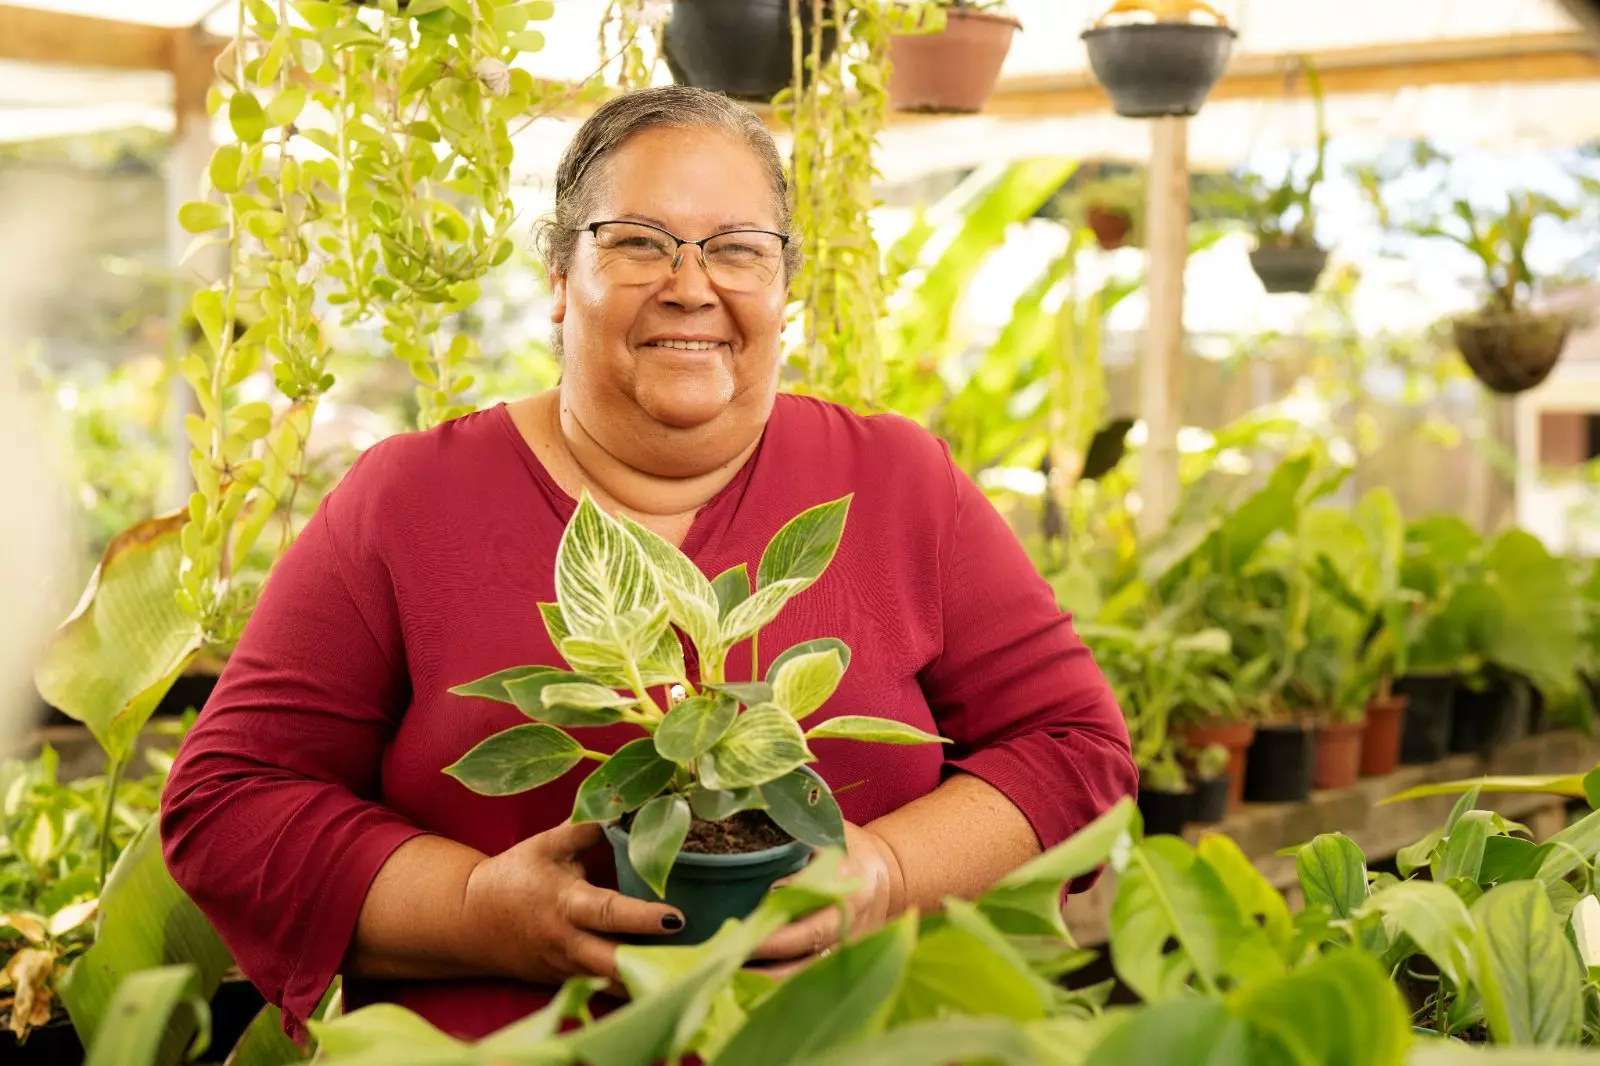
[709, 889]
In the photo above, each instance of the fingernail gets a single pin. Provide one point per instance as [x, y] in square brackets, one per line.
[671, 922]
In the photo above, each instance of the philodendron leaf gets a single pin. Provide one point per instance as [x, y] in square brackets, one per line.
[867, 727]
[1528, 972]
[1413, 857]
[634, 775]
[583, 695]
[691, 600]
[804, 683]
[1511, 859]
[713, 806]
[1464, 803]
[655, 837]
[1027, 901]
[601, 572]
[808, 647]
[992, 1041]
[516, 759]
[1255, 895]
[141, 1012]
[1462, 854]
[748, 693]
[762, 607]
[554, 624]
[762, 745]
[1333, 872]
[493, 686]
[1341, 1008]
[732, 587]
[802, 549]
[804, 808]
[1195, 1032]
[1436, 921]
[530, 694]
[692, 727]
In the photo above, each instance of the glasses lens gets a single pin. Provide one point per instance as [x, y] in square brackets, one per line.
[744, 259]
[633, 254]
[740, 260]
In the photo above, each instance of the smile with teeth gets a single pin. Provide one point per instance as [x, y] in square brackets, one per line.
[687, 346]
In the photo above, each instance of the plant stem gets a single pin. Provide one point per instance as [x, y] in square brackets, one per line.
[595, 755]
[755, 657]
[113, 779]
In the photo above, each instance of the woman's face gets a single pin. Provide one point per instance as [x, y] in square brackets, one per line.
[679, 351]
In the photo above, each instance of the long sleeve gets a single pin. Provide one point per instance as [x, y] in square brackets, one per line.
[269, 820]
[1016, 689]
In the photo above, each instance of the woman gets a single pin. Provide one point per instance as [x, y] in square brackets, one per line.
[307, 813]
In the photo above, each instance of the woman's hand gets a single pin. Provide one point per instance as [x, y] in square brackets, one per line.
[879, 896]
[541, 918]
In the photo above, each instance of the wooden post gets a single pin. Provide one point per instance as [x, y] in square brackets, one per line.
[1161, 369]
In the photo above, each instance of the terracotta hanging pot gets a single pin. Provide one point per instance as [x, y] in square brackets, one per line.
[1111, 225]
[1157, 69]
[954, 70]
[1511, 353]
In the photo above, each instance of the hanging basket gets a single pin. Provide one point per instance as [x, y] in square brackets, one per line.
[742, 48]
[1153, 70]
[1112, 226]
[1511, 353]
[1288, 267]
[952, 71]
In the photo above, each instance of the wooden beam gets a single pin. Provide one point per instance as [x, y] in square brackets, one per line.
[38, 36]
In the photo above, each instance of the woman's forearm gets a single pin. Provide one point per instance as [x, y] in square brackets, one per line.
[957, 840]
[415, 922]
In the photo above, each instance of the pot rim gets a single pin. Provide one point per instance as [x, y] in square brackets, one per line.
[617, 834]
[981, 16]
[1182, 27]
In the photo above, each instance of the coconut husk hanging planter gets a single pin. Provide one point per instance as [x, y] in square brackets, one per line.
[1511, 352]
[1165, 67]
[954, 70]
[1288, 267]
[743, 48]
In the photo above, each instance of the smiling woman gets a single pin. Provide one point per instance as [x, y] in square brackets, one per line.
[308, 813]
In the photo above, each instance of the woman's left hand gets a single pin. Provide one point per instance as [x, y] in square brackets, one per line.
[878, 897]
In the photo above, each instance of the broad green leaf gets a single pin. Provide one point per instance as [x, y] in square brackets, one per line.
[1466, 802]
[868, 728]
[493, 686]
[146, 921]
[579, 699]
[141, 1012]
[1511, 859]
[952, 971]
[692, 727]
[732, 587]
[381, 1026]
[554, 623]
[1552, 784]
[264, 1042]
[802, 549]
[1436, 921]
[116, 656]
[990, 1041]
[655, 837]
[1462, 854]
[832, 1002]
[1195, 1032]
[601, 572]
[1027, 901]
[246, 117]
[1339, 1009]
[713, 806]
[1333, 872]
[1413, 857]
[1254, 894]
[966, 916]
[1580, 839]
[516, 759]
[691, 599]
[1591, 787]
[762, 745]
[808, 647]
[624, 782]
[570, 1000]
[748, 693]
[804, 807]
[1529, 974]
[805, 682]
[762, 607]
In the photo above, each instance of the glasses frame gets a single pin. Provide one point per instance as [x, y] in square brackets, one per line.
[593, 229]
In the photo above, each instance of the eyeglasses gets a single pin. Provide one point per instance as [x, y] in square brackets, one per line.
[741, 260]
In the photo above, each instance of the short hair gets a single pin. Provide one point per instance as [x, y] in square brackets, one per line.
[605, 131]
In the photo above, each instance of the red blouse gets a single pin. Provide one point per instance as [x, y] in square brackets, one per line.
[323, 746]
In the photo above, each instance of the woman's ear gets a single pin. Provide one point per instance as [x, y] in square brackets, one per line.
[558, 295]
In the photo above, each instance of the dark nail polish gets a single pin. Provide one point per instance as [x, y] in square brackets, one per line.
[671, 923]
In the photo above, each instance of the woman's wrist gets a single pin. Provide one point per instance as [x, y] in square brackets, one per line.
[898, 898]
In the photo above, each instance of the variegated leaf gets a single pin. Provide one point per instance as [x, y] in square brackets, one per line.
[802, 549]
[763, 744]
[762, 607]
[805, 682]
[692, 727]
[601, 572]
[866, 727]
[690, 597]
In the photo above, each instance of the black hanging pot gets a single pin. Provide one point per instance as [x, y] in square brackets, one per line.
[1151, 70]
[1510, 353]
[1288, 267]
[1282, 757]
[1426, 735]
[743, 48]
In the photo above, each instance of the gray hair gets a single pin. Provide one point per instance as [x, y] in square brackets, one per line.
[602, 133]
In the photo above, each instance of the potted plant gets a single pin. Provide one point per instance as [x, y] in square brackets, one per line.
[1108, 200]
[715, 799]
[744, 48]
[1159, 57]
[1166, 802]
[1210, 780]
[952, 66]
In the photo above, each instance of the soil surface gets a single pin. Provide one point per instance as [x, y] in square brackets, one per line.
[738, 833]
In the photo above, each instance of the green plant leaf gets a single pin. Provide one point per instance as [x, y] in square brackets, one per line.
[713, 806]
[952, 971]
[869, 728]
[654, 838]
[805, 682]
[762, 607]
[286, 106]
[555, 624]
[802, 549]
[142, 1009]
[223, 169]
[1339, 1009]
[1529, 974]
[1436, 921]
[1577, 842]
[1195, 1032]
[1553, 784]
[199, 216]
[624, 782]
[937, 1043]
[1511, 859]
[1254, 894]
[493, 686]
[515, 1039]
[1467, 801]
[1414, 857]
[835, 1000]
[385, 1027]
[748, 693]
[246, 117]
[1333, 872]
[732, 587]
[146, 921]
[804, 808]
[113, 660]
[264, 1042]
[762, 745]
[809, 647]
[692, 727]
[601, 573]
[692, 602]
[516, 759]
[1027, 901]
[575, 702]
[1462, 855]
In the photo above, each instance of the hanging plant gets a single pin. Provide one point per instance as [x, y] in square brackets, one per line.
[952, 64]
[748, 49]
[1159, 57]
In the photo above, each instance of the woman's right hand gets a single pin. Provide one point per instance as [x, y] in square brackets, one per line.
[544, 921]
